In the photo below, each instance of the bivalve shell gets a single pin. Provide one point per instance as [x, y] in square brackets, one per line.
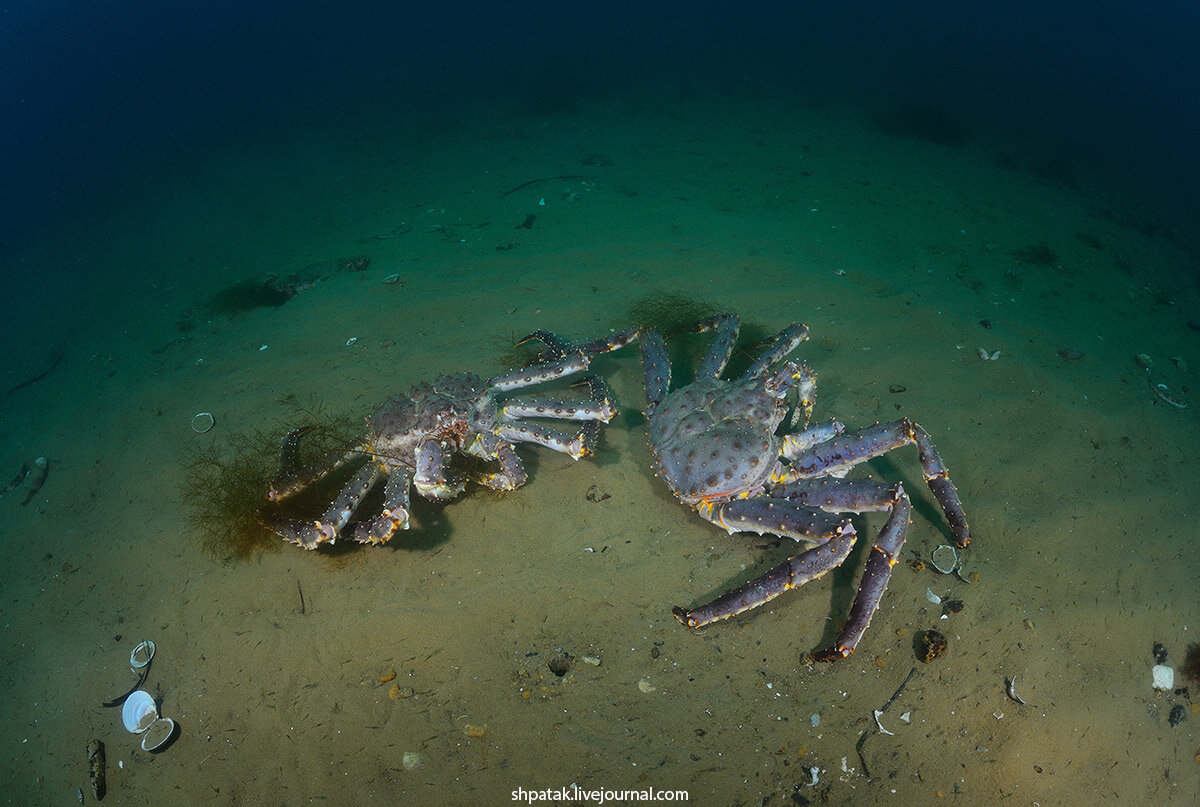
[157, 735]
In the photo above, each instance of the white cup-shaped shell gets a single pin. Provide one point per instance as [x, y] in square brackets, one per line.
[139, 712]
[141, 655]
[158, 733]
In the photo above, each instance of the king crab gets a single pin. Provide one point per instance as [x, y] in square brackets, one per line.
[411, 440]
[715, 444]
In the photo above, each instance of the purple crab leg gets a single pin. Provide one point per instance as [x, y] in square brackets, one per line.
[841, 453]
[884, 554]
[657, 367]
[311, 534]
[726, 326]
[536, 374]
[611, 342]
[557, 409]
[512, 472]
[393, 516]
[799, 442]
[787, 341]
[432, 477]
[292, 479]
[834, 538]
[519, 431]
[841, 495]
[589, 434]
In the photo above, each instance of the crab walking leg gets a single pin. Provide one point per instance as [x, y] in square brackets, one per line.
[432, 477]
[556, 346]
[311, 534]
[657, 367]
[393, 516]
[787, 341]
[292, 480]
[557, 409]
[512, 472]
[521, 432]
[834, 536]
[884, 554]
[589, 434]
[841, 453]
[841, 495]
[796, 443]
[726, 326]
[538, 373]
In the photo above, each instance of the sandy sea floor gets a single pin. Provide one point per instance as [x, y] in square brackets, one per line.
[1077, 478]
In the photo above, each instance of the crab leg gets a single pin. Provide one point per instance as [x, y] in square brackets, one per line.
[841, 453]
[590, 432]
[521, 432]
[558, 409]
[311, 534]
[511, 474]
[432, 478]
[546, 371]
[726, 326]
[557, 347]
[787, 341]
[291, 479]
[884, 554]
[393, 516]
[657, 367]
[798, 442]
[834, 536]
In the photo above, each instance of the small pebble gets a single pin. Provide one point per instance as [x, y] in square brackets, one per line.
[411, 760]
[593, 660]
[646, 687]
[930, 645]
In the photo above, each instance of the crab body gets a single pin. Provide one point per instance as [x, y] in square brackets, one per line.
[411, 441]
[717, 445]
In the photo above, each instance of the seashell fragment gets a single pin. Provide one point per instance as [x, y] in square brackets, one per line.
[944, 559]
[646, 687]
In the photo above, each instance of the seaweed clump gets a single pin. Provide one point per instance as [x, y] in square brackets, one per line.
[225, 483]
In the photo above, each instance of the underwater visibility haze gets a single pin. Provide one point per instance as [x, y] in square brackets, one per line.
[222, 224]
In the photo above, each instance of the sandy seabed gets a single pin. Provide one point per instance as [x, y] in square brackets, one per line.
[1078, 479]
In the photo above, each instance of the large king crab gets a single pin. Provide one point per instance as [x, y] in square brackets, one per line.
[411, 440]
[715, 444]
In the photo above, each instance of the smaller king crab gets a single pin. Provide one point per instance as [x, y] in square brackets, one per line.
[411, 440]
[715, 444]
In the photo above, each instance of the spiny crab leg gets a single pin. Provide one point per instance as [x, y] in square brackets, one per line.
[538, 373]
[726, 326]
[657, 367]
[511, 474]
[433, 478]
[393, 516]
[834, 538]
[558, 409]
[311, 534]
[291, 479]
[843, 452]
[536, 433]
[787, 341]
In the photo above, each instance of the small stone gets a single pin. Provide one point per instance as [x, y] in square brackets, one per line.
[411, 759]
[1177, 716]
[593, 660]
[646, 687]
[1163, 677]
[930, 644]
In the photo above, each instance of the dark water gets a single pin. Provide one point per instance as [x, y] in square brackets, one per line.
[85, 91]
